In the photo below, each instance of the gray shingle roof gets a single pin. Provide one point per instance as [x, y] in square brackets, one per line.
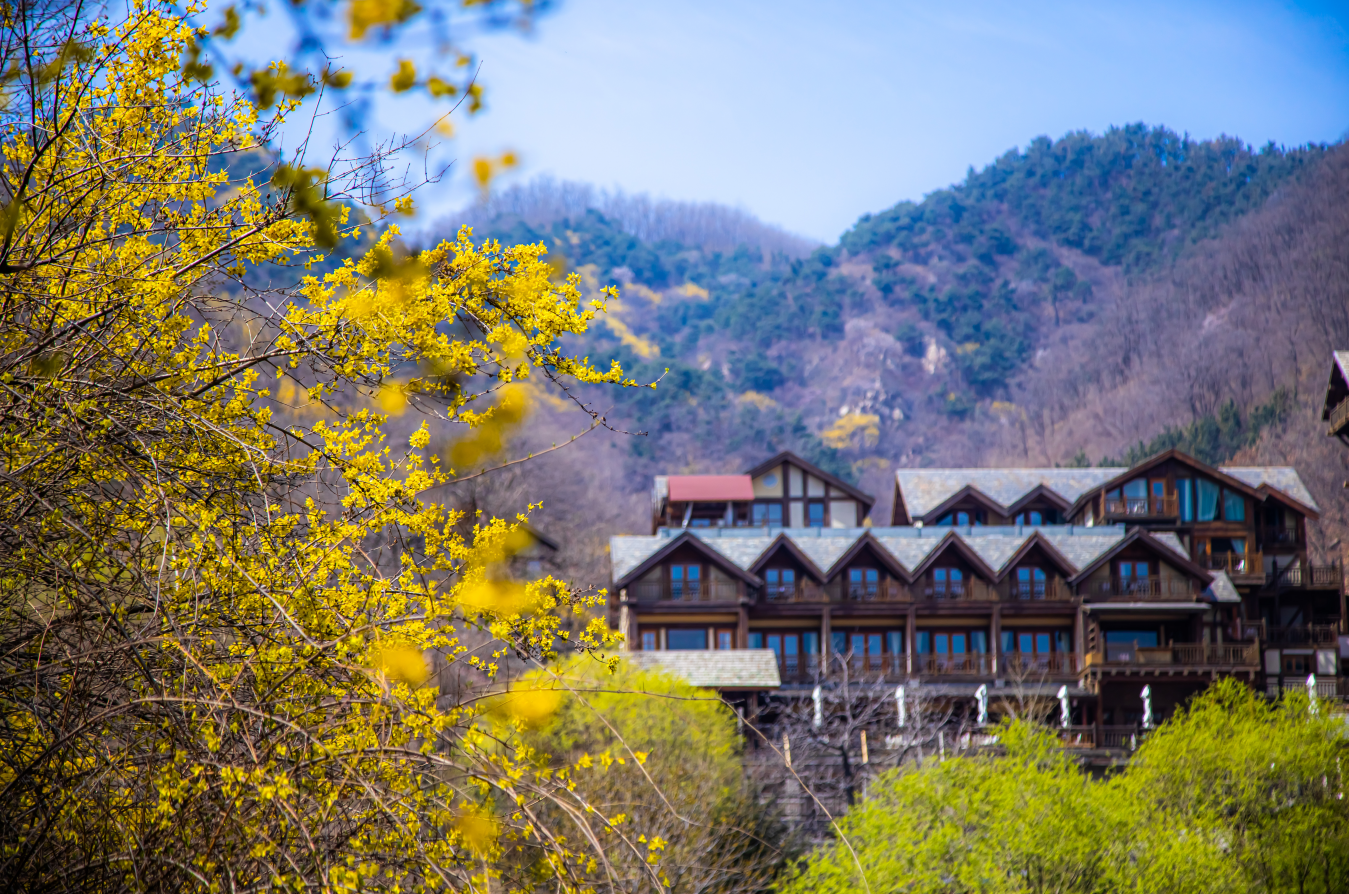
[926, 489]
[1283, 478]
[909, 546]
[715, 669]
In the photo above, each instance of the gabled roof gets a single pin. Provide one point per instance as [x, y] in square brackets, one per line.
[1066, 568]
[713, 488]
[1278, 481]
[783, 542]
[1338, 388]
[955, 544]
[1254, 481]
[866, 540]
[994, 549]
[628, 555]
[923, 490]
[1164, 546]
[834, 480]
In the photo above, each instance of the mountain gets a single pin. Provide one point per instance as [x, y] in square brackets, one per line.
[1082, 301]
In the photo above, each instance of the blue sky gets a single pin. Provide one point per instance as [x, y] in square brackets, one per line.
[811, 114]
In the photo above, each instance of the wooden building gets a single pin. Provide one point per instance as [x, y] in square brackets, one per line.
[1336, 409]
[1103, 581]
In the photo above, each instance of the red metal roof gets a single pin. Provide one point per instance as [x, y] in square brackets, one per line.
[710, 488]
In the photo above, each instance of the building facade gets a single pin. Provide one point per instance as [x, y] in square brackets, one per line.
[1088, 583]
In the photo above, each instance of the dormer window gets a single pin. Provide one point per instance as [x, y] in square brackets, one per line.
[962, 518]
[685, 581]
[948, 583]
[1030, 583]
[768, 514]
[863, 583]
[815, 519]
[780, 583]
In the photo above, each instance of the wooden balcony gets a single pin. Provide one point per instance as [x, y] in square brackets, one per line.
[1051, 590]
[1339, 418]
[871, 667]
[799, 591]
[1142, 507]
[1326, 687]
[970, 664]
[1247, 564]
[960, 591]
[1142, 589]
[1305, 576]
[1277, 537]
[874, 591]
[1305, 635]
[685, 591]
[1029, 665]
[1184, 655]
[799, 668]
[1247, 630]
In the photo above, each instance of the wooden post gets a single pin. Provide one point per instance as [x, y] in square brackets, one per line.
[742, 628]
[911, 631]
[996, 633]
[825, 628]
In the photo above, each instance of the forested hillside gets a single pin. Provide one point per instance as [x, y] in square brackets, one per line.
[1087, 300]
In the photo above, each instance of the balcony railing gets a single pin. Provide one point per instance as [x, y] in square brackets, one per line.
[889, 667]
[1143, 507]
[797, 591]
[1078, 736]
[960, 590]
[1235, 564]
[685, 591]
[1303, 575]
[1303, 635]
[1029, 664]
[1339, 417]
[1248, 630]
[969, 664]
[1125, 737]
[798, 668]
[872, 591]
[1146, 588]
[1051, 590]
[1326, 687]
[1178, 654]
[1277, 536]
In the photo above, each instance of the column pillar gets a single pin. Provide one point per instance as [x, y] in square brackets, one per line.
[826, 623]
[742, 628]
[911, 631]
[996, 633]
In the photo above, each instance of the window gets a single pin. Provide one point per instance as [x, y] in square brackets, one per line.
[755, 640]
[768, 514]
[1030, 583]
[947, 583]
[700, 523]
[648, 640]
[816, 515]
[1185, 493]
[780, 583]
[863, 583]
[1296, 664]
[894, 642]
[1208, 499]
[786, 646]
[810, 643]
[725, 639]
[684, 639]
[1234, 506]
[979, 641]
[1034, 517]
[685, 582]
[924, 643]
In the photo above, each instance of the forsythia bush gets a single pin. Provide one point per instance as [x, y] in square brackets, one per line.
[218, 580]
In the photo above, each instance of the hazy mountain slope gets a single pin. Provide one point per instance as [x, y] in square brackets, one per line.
[1073, 302]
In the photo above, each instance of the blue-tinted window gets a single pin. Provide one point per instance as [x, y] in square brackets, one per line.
[816, 519]
[1234, 506]
[1185, 494]
[924, 642]
[685, 639]
[1208, 499]
[756, 640]
[894, 642]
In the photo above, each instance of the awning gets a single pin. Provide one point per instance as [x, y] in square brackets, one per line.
[715, 668]
[710, 488]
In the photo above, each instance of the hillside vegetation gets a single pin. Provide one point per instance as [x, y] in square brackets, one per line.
[1090, 299]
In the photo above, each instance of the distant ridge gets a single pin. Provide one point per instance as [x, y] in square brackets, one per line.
[705, 225]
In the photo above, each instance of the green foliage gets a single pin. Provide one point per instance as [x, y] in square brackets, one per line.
[1235, 794]
[667, 756]
[1214, 438]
